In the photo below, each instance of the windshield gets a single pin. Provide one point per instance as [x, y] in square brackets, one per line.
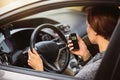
[7, 5]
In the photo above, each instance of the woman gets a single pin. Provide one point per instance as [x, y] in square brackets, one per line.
[101, 21]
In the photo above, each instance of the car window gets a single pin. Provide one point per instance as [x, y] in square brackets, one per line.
[72, 19]
[46, 28]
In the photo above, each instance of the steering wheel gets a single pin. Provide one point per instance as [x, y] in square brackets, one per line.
[47, 49]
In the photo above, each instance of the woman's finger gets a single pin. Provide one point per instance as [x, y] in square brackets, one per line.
[69, 41]
[70, 45]
[71, 48]
[34, 51]
[30, 53]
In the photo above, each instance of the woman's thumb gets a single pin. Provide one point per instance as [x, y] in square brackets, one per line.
[34, 51]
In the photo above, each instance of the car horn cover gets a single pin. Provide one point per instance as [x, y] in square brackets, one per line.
[48, 49]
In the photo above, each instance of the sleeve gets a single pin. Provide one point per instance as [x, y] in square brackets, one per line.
[83, 63]
[88, 71]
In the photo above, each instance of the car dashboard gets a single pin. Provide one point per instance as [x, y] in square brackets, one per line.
[14, 48]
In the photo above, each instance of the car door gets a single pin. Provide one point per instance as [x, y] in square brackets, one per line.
[13, 73]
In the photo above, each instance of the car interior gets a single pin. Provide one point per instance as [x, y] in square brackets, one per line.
[52, 30]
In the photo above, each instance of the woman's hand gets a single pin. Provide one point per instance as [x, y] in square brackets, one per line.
[34, 60]
[83, 51]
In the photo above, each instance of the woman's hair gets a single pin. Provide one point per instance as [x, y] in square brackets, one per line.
[103, 19]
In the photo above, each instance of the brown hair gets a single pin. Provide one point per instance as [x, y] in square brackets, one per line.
[103, 19]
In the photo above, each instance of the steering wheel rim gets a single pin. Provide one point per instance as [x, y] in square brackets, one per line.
[33, 39]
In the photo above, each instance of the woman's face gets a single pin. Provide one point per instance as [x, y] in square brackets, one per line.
[91, 34]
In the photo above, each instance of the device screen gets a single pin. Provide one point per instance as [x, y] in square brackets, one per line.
[73, 37]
